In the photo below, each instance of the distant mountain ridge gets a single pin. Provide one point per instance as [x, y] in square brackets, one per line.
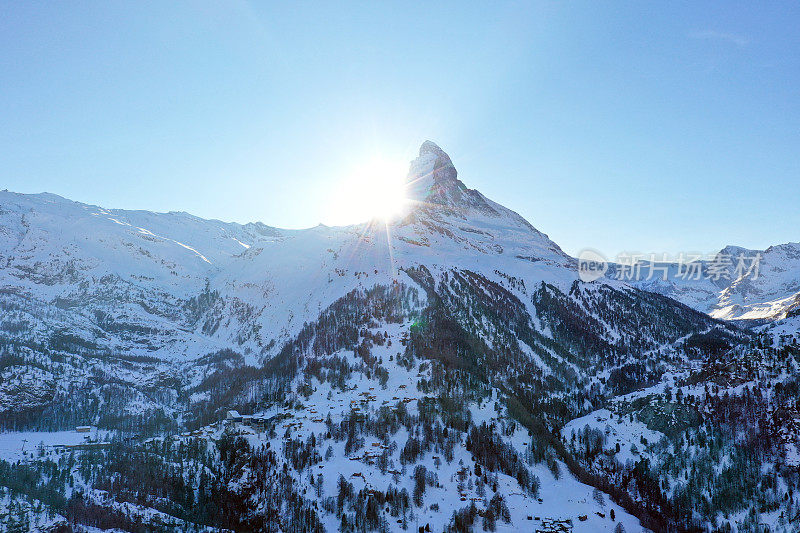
[767, 290]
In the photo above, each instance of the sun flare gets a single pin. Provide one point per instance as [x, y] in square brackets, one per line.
[375, 189]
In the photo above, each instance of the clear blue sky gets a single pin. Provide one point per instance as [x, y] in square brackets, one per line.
[631, 126]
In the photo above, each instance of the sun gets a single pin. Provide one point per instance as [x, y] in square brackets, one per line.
[373, 189]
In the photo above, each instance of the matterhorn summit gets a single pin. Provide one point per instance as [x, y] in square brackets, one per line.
[445, 213]
[433, 179]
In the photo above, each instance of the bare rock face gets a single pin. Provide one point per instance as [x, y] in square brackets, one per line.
[444, 173]
[433, 181]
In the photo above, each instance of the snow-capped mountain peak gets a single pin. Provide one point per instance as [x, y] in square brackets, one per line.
[445, 212]
[433, 180]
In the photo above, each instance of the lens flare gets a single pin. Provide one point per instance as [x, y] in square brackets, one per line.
[373, 190]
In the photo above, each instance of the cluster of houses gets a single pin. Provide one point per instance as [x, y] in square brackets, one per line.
[317, 416]
[257, 422]
[371, 454]
[553, 525]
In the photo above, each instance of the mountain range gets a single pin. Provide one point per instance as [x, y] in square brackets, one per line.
[445, 370]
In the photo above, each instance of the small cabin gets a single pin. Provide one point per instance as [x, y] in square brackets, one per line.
[233, 416]
[83, 429]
